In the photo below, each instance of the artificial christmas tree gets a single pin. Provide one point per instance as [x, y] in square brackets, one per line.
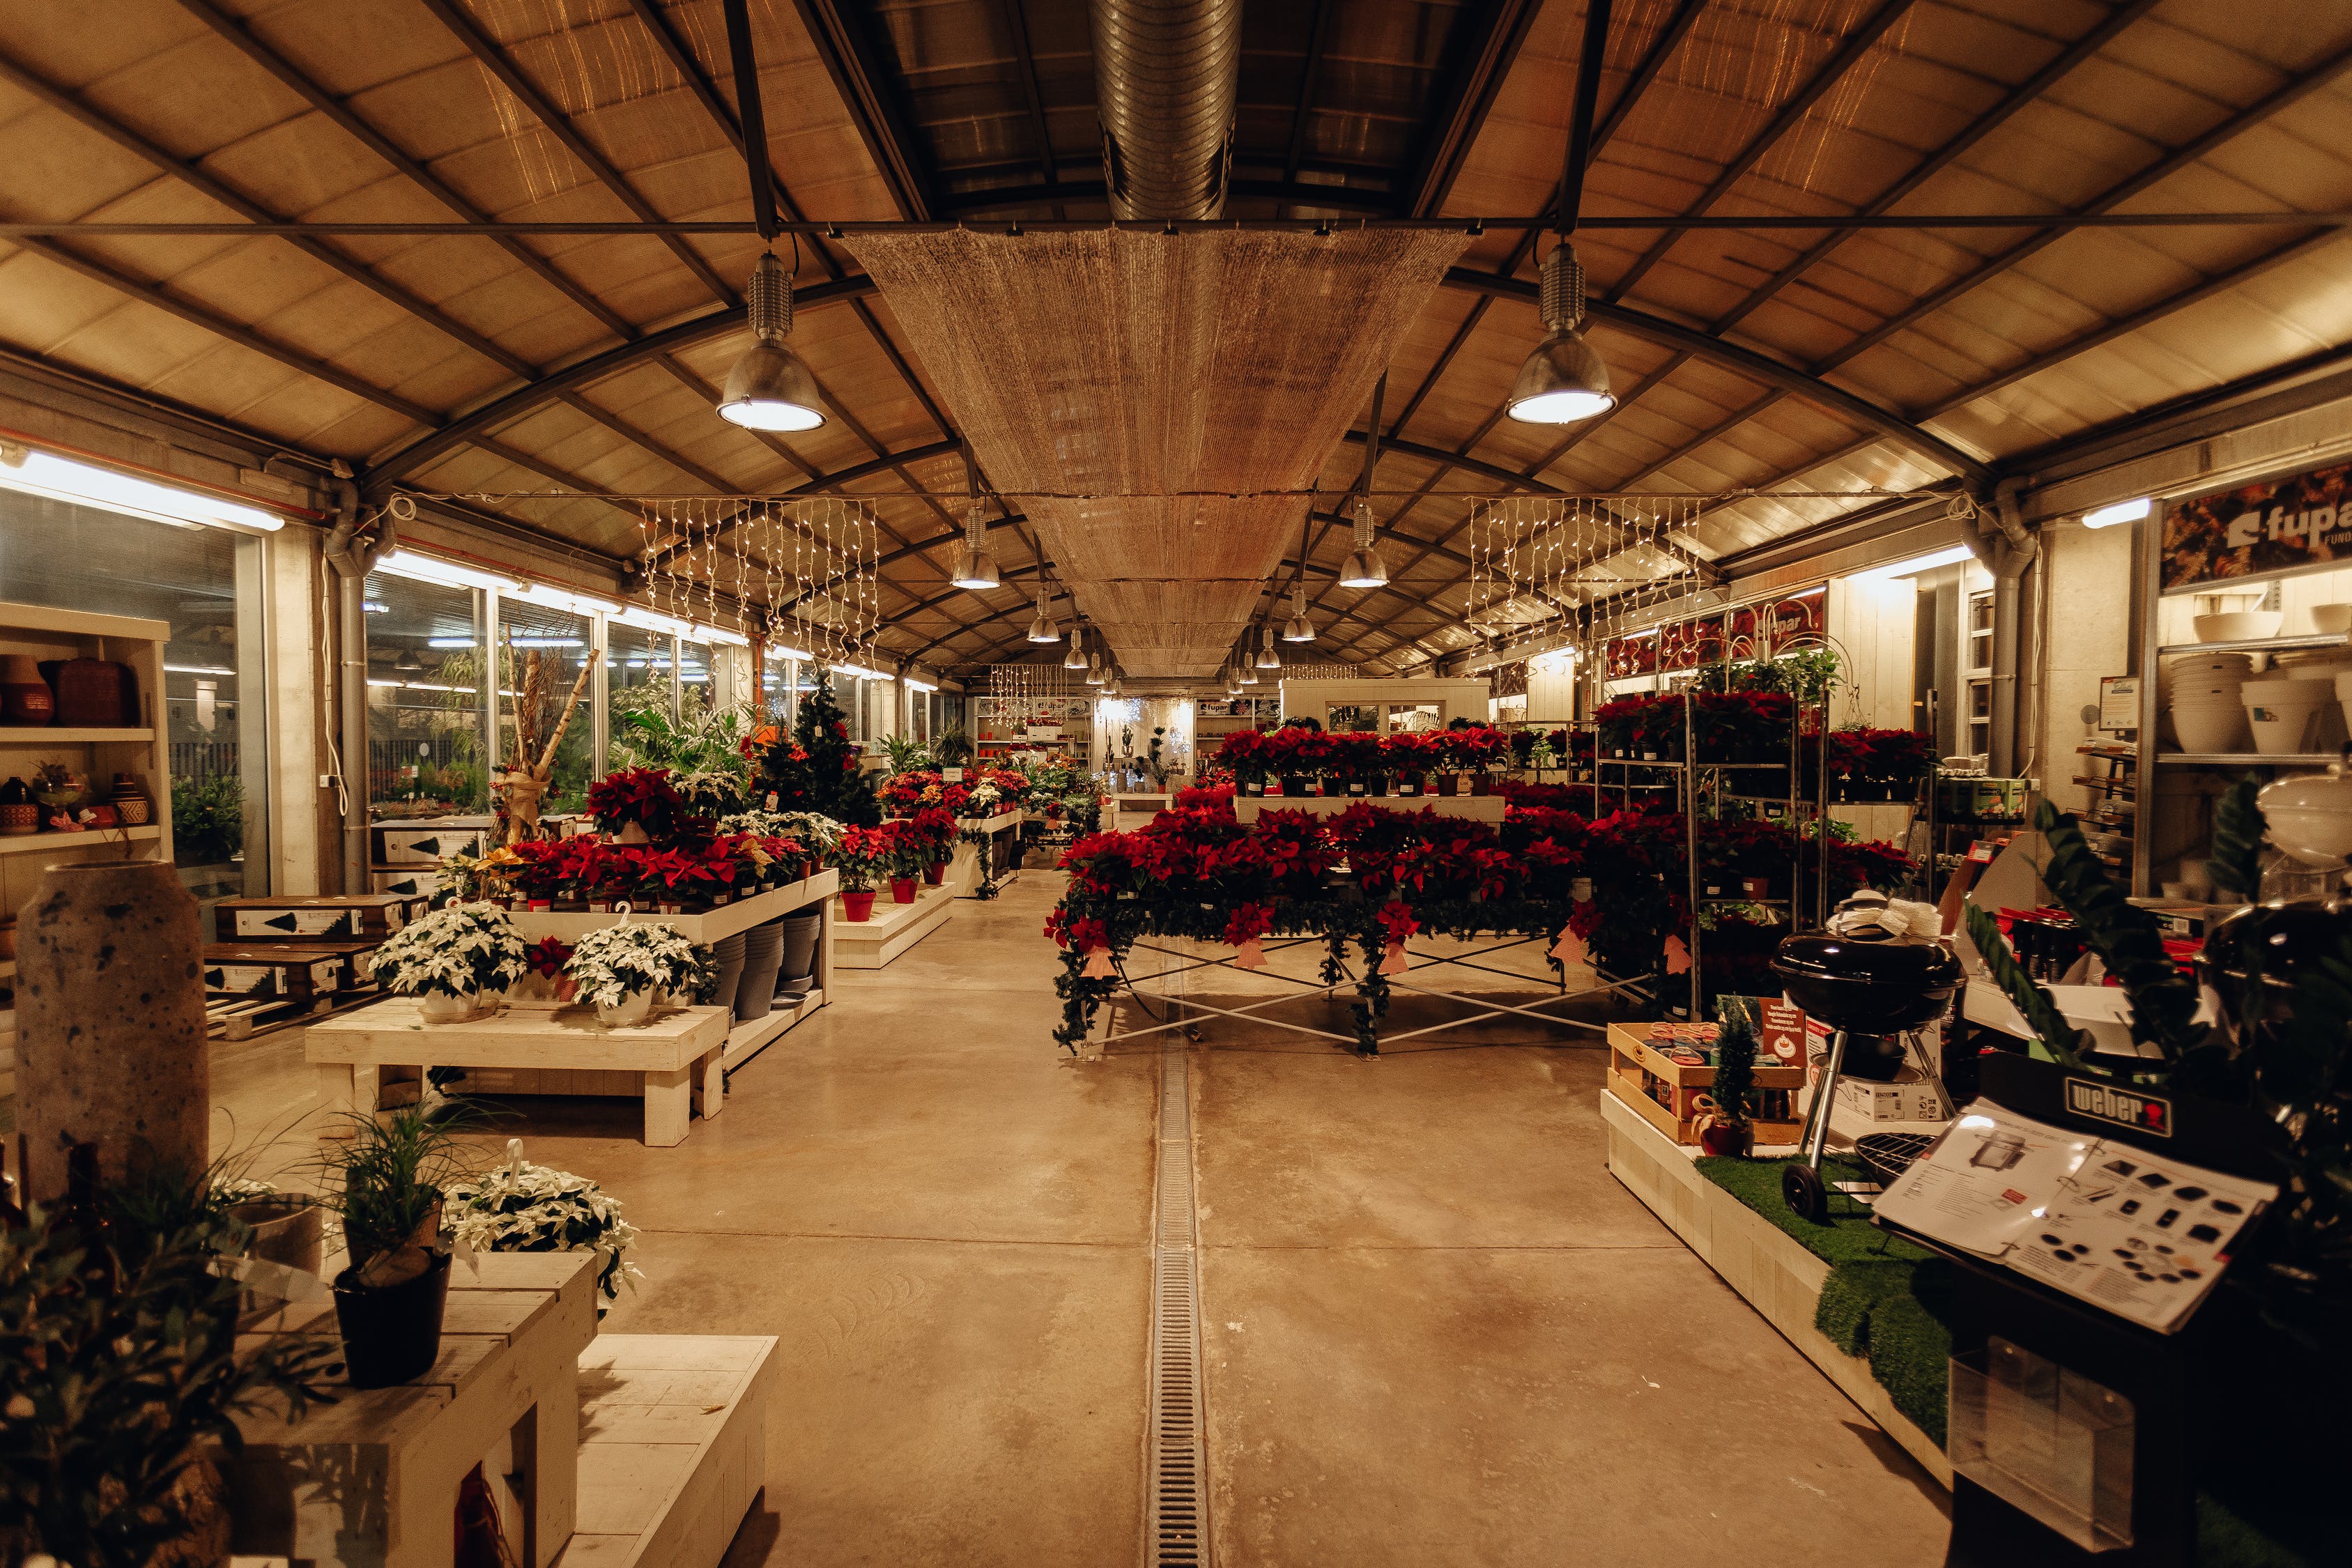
[814, 767]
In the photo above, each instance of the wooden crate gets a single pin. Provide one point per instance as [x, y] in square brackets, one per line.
[272, 969]
[1664, 1092]
[293, 917]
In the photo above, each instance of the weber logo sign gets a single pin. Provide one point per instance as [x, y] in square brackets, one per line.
[2102, 1102]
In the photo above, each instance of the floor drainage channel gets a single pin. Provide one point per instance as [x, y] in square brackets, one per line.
[1176, 1525]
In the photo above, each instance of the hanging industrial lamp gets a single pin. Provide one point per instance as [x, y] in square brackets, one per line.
[1077, 657]
[1298, 629]
[769, 387]
[1096, 674]
[1244, 672]
[1042, 627]
[1364, 568]
[1267, 657]
[974, 566]
[1564, 381]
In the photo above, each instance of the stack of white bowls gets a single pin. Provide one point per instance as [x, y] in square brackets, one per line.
[2200, 700]
[2285, 710]
[2320, 664]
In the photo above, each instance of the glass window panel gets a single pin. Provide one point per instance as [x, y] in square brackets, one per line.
[1346, 718]
[425, 670]
[206, 584]
[637, 680]
[1415, 718]
[559, 641]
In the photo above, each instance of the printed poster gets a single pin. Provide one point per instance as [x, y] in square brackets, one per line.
[2267, 529]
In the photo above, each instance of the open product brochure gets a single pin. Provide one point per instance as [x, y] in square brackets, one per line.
[2138, 1234]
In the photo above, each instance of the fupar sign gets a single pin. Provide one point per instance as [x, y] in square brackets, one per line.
[2275, 529]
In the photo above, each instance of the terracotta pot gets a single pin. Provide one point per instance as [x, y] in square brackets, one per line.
[858, 905]
[902, 890]
[109, 975]
[935, 874]
[26, 699]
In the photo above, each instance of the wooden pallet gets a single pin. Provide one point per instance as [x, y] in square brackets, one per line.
[233, 1018]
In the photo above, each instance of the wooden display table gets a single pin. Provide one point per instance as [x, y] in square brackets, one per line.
[895, 928]
[373, 1479]
[1475, 807]
[702, 930]
[1124, 813]
[673, 1061]
[972, 862]
[673, 1447]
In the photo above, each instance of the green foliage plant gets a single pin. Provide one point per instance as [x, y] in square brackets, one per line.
[1734, 1092]
[208, 819]
[383, 1183]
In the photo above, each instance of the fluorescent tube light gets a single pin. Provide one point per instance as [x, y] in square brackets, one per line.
[84, 484]
[447, 573]
[1916, 564]
[2122, 512]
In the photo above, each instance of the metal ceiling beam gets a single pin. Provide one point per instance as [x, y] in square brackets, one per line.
[241, 37]
[1319, 36]
[218, 191]
[1848, 54]
[952, 205]
[484, 48]
[232, 331]
[1490, 38]
[1024, 63]
[847, 53]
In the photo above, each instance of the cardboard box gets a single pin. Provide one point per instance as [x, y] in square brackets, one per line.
[1915, 1100]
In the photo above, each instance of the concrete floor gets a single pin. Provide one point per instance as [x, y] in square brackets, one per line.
[1437, 1330]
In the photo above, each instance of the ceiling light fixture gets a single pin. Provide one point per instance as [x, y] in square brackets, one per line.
[1244, 672]
[45, 474]
[1266, 657]
[1096, 674]
[1042, 627]
[1077, 657]
[2122, 512]
[1364, 568]
[1564, 380]
[1298, 629]
[769, 387]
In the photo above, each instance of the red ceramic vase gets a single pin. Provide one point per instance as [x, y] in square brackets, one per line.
[858, 905]
[902, 890]
[934, 873]
[1718, 1138]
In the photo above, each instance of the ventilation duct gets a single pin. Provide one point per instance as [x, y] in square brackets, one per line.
[1167, 80]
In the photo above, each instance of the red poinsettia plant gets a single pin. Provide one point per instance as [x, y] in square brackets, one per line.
[642, 796]
[863, 858]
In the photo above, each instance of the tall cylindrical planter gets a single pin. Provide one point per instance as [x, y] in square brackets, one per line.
[763, 953]
[111, 1020]
[728, 953]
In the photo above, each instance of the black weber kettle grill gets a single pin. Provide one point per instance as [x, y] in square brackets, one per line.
[1875, 989]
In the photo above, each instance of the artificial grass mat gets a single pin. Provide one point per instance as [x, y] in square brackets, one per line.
[1887, 1300]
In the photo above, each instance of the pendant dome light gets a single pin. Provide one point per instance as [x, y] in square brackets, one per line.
[1298, 629]
[1042, 627]
[1364, 568]
[1096, 674]
[1564, 381]
[1268, 658]
[769, 387]
[1077, 657]
[1244, 672]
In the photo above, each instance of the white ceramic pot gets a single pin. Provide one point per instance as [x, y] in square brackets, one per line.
[490, 1001]
[2210, 728]
[440, 1009]
[2239, 625]
[2309, 817]
[630, 1013]
[2331, 620]
[2283, 713]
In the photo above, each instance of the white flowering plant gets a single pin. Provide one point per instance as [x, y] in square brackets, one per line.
[612, 962]
[522, 1207]
[451, 952]
[812, 828]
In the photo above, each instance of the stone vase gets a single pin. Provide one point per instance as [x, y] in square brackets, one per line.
[111, 1016]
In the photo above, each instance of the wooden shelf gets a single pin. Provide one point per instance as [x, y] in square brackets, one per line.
[97, 837]
[2243, 760]
[57, 735]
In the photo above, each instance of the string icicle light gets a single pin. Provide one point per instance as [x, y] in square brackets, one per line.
[1583, 564]
[803, 572]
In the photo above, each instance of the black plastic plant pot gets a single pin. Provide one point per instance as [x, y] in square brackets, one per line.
[391, 1334]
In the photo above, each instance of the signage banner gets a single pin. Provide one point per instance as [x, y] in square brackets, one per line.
[2268, 530]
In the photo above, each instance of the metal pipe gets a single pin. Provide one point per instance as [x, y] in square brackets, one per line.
[1168, 82]
[2012, 552]
[351, 554]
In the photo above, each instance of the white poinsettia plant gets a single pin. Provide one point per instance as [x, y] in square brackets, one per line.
[811, 828]
[522, 1207]
[985, 797]
[609, 963]
[451, 952]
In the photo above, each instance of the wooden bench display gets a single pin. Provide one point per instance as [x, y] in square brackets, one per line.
[672, 1061]
[301, 918]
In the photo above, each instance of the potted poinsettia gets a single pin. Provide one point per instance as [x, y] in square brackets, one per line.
[935, 828]
[862, 857]
[637, 806]
[1244, 751]
[907, 855]
[620, 969]
[522, 1207]
[452, 960]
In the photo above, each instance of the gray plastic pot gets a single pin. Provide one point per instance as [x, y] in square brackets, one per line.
[763, 951]
[728, 953]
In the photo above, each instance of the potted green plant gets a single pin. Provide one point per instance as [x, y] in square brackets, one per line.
[522, 1207]
[383, 1184]
[619, 969]
[1729, 1126]
[452, 960]
[120, 1366]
